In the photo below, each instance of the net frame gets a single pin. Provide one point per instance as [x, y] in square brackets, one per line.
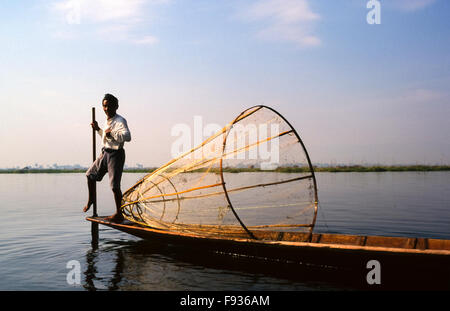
[225, 131]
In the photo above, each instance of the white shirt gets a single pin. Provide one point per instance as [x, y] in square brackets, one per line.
[119, 133]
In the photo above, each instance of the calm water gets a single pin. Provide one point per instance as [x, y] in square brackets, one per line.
[42, 229]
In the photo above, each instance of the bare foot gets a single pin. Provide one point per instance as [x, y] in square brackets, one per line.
[118, 218]
[87, 207]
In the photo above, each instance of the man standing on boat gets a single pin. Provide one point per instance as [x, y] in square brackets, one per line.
[112, 158]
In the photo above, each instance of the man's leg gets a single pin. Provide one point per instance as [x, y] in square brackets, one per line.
[118, 199]
[116, 161]
[92, 194]
[94, 173]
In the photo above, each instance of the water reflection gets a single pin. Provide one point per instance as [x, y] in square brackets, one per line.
[91, 271]
[114, 277]
[144, 265]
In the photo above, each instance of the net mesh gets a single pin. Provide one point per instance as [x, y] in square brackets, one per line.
[253, 175]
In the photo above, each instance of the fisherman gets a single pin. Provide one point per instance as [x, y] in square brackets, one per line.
[112, 158]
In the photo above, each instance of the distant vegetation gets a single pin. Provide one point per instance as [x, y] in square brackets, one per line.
[64, 171]
[384, 168]
[290, 169]
[348, 168]
[39, 171]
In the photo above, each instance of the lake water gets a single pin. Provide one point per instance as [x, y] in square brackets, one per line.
[42, 229]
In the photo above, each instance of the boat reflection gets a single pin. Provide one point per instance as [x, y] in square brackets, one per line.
[144, 265]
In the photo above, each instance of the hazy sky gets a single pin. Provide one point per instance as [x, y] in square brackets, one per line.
[355, 92]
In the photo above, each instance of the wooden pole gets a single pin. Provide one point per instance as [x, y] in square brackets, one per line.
[94, 156]
[94, 226]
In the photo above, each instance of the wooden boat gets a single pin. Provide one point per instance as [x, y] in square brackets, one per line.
[402, 259]
[287, 245]
[255, 214]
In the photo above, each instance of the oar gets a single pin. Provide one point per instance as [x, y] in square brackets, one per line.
[94, 225]
[94, 156]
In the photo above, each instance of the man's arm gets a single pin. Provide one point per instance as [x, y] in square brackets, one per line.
[122, 133]
[97, 128]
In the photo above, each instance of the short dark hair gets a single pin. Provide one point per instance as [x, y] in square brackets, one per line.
[112, 99]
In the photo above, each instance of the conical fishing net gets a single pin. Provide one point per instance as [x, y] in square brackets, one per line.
[254, 175]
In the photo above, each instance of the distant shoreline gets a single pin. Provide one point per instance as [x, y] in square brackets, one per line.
[331, 169]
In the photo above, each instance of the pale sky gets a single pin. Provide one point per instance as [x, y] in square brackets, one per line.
[356, 93]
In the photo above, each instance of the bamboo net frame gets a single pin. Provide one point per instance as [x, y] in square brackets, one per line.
[232, 183]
